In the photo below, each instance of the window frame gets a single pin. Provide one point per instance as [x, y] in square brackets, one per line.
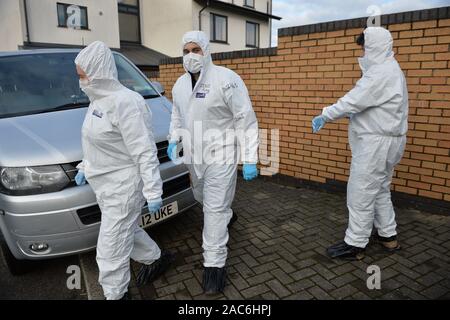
[213, 31]
[257, 34]
[249, 6]
[138, 14]
[66, 5]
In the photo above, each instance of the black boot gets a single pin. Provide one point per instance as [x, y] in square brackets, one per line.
[126, 296]
[390, 244]
[344, 251]
[149, 273]
[214, 280]
[232, 220]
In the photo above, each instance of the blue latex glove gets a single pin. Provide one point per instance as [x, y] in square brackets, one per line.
[172, 151]
[80, 179]
[154, 206]
[249, 171]
[318, 123]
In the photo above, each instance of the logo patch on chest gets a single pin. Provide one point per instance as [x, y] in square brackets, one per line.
[200, 95]
[98, 114]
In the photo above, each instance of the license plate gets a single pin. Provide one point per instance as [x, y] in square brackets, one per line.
[164, 213]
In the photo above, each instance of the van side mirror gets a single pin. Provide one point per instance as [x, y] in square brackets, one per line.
[159, 87]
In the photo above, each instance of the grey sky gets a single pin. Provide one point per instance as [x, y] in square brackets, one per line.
[303, 12]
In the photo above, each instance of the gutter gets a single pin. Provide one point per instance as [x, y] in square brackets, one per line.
[200, 15]
[228, 6]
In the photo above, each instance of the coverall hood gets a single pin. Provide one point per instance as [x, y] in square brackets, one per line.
[378, 47]
[97, 61]
[200, 38]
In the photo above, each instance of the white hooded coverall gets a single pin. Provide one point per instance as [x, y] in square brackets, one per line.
[121, 165]
[378, 111]
[219, 101]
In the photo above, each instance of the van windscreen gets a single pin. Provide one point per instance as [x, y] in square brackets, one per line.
[44, 82]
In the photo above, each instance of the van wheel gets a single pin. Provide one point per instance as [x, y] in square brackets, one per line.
[15, 267]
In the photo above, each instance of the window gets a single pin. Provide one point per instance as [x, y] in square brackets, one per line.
[252, 35]
[75, 16]
[129, 21]
[249, 3]
[134, 3]
[219, 28]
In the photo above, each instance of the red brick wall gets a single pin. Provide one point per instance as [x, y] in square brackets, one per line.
[311, 71]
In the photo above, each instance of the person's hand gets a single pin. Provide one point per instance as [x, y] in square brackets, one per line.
[249, 171]
[154, 205]
[172, 151]
[80, 179]
[318, 123]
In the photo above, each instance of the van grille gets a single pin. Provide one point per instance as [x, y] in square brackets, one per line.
[162, 151]
[89, 215]
[71, 168]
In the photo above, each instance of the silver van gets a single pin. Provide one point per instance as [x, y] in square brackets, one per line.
[43, 214]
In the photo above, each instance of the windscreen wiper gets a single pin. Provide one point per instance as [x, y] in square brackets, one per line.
[151, 96]
[67, 106]
[63, 107]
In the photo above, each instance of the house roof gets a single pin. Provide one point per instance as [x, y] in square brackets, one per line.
[141, 55]
[246, 11]
[137, 53]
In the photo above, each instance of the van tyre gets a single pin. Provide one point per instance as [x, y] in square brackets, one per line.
[15, 267]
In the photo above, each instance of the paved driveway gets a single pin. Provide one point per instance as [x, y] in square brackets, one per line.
[45, 281]
[276, 251]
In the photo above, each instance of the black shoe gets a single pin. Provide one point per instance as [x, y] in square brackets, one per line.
[149, 273]
[232, 220]
[214, 280]
[126, 296]
[390, 244]
[342, 250]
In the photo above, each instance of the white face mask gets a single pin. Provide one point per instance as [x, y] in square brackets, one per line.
[193, 62]
[85, 86]
[84, 83]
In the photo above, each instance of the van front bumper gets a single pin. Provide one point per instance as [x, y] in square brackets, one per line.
[59, 220]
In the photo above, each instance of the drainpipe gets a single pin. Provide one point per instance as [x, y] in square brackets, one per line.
[200, 15]
[27, 28]
[269, 9]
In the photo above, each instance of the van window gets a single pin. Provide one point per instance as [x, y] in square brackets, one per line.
[44, 82]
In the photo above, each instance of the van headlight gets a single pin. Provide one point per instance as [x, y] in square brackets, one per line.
[33, 180]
